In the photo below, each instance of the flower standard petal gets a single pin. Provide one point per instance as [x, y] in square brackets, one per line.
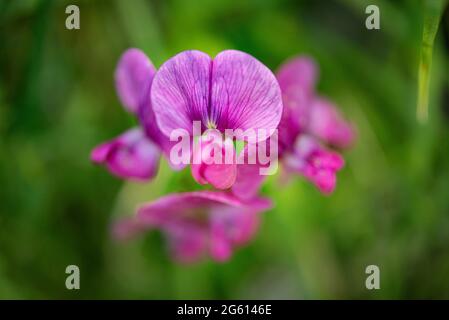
[234, 91]
[133, 77]
[244, 93]
[148, 122]
[180, 91]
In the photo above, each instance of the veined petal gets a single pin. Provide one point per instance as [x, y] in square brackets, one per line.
[180, 91]
[129, 156]
[234, 91]
[133, 77]
[244, 93]
[148, 122]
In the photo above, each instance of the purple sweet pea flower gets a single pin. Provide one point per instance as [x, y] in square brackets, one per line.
[198, 223]
[307, 122]
[134, 154]
[232, 91]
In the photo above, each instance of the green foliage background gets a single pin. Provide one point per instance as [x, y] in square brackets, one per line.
[57, 101]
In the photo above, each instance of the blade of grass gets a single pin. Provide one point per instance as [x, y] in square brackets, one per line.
[432, 16]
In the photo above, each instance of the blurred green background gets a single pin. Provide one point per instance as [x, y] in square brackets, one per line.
[57, 101]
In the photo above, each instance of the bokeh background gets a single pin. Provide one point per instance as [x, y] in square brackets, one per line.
[57, 101]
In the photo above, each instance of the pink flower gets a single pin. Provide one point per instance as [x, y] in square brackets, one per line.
[308, 122]
[134, 154]
[198, 223]
[315, 163]
[232, 91]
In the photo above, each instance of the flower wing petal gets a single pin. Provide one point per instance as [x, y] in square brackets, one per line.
[133, 77]
[129, 156]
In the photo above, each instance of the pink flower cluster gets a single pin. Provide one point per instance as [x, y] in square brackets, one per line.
[232, 91]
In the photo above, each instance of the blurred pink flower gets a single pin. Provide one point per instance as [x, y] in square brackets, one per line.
[308, 123]
[198, 223]
[130, 155]
[134, 154]
[314, 162]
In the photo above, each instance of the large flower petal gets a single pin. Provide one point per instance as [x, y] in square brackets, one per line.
[148, 122]
[133, 77]
[129, 156]
[244, 94]
[180, 91]
[234, 91]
